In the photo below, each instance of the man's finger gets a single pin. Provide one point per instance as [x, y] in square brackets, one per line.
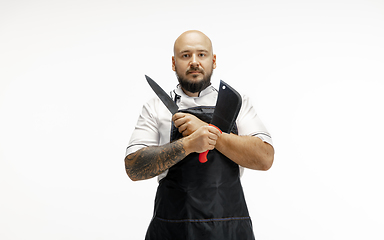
[177, 116]
[179, 120]
[214, 130]
[213, 137]
[181, 127]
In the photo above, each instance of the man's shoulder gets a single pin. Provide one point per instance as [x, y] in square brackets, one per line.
[152, 101]
[155, 108]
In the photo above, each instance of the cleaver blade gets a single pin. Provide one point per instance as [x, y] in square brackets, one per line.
[227, 109]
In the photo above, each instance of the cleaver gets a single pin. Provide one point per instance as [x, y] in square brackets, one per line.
[227, 109]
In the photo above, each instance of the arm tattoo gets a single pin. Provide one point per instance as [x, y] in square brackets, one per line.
[149, 162]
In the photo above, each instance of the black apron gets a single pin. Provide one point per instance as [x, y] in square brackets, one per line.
[201, 201]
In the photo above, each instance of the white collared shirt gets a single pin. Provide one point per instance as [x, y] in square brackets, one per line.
[153, 127]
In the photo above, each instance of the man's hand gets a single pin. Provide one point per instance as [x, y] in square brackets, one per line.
[200, 137]
[203, 139]
[187, 123]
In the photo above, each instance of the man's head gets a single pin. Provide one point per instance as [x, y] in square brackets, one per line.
[193, 61]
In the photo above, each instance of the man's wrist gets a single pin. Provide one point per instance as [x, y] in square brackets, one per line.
[186, 145]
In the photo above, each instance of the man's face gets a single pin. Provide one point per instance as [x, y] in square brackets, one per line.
[193, 61]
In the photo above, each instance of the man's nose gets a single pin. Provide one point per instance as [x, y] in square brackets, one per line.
[194, 61]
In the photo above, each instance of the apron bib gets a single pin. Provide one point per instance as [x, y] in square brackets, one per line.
[201, 201]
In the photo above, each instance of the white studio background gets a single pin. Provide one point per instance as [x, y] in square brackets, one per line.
[72, 85]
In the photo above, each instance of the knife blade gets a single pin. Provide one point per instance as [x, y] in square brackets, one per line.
[164, 97]
[227, 109]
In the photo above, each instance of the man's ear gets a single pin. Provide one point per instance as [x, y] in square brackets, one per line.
[214, 61]
[173, 64]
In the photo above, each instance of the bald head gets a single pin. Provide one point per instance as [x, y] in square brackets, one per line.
[192, 38]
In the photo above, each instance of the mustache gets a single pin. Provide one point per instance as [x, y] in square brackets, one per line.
[195, 69]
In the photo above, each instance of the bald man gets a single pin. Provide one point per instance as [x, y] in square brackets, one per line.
[195, 200]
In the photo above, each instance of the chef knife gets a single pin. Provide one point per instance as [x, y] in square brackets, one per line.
[164, 97]
[227, 109]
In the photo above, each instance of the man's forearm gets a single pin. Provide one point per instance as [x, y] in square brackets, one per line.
[247, 151]
[149, 162]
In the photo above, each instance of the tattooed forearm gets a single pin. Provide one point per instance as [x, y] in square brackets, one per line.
[151, 161]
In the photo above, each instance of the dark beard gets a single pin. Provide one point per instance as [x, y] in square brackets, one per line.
[194, 87]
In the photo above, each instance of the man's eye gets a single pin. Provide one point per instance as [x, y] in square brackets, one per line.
[185, 55]
[202, 54]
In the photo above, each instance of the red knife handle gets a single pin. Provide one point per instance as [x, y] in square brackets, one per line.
[203, 155]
